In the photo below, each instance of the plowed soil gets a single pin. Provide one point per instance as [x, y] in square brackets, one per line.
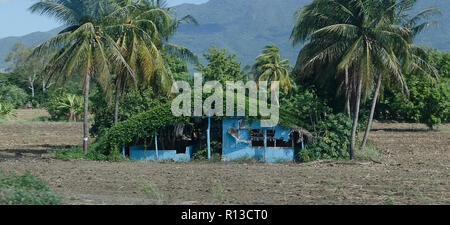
[413, 168]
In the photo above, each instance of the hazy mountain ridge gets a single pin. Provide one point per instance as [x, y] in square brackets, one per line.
[243, 27]
[33, 39]
[246, 26]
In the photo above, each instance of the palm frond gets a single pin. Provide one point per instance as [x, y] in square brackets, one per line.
[181, 52]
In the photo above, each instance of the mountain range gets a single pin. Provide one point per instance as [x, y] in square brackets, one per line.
[30, 40]
[244, 27]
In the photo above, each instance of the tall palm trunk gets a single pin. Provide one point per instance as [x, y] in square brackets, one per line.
[356, 117]
[347, 93]
[372, 112]
[116, 105]
[86, 107]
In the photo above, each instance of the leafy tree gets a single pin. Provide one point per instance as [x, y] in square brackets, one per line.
[177, 66]
[13, 95]
[302, 107]
[440, 61]
[27, 67]
[270, 67]
[427, 103]
[221, 66]
[429, 99]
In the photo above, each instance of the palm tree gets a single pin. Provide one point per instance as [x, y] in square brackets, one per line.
[415, 60]
[167, 32]
[135, 27]
[82, 47]
[71, 104]
[142, 30]
[358, 35]
[270, 67]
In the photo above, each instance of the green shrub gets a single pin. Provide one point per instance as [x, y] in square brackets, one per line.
[131, 104]
[429, 99]
[6, 110]
[78, 153]
[178, 67]
[202, 154]
[137, 130]
[428, 103]
[13, 95]
[26, 190]
[333, 140]
[302, 108]
[62, 106]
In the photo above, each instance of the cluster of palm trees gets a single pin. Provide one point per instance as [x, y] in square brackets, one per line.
[368, 42]
[117, 42]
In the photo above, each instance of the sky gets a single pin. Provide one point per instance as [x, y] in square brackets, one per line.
[16, 20]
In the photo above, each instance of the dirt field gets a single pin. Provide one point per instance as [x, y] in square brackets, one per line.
[414, 168]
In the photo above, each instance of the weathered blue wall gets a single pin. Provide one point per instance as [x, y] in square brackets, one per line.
[233, 149]
[138, 153]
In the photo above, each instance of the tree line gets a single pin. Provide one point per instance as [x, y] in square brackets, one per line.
[356, 53]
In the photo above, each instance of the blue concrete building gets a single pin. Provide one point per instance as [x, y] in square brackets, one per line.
[241, 139]
[140, 153]
[244, 139]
